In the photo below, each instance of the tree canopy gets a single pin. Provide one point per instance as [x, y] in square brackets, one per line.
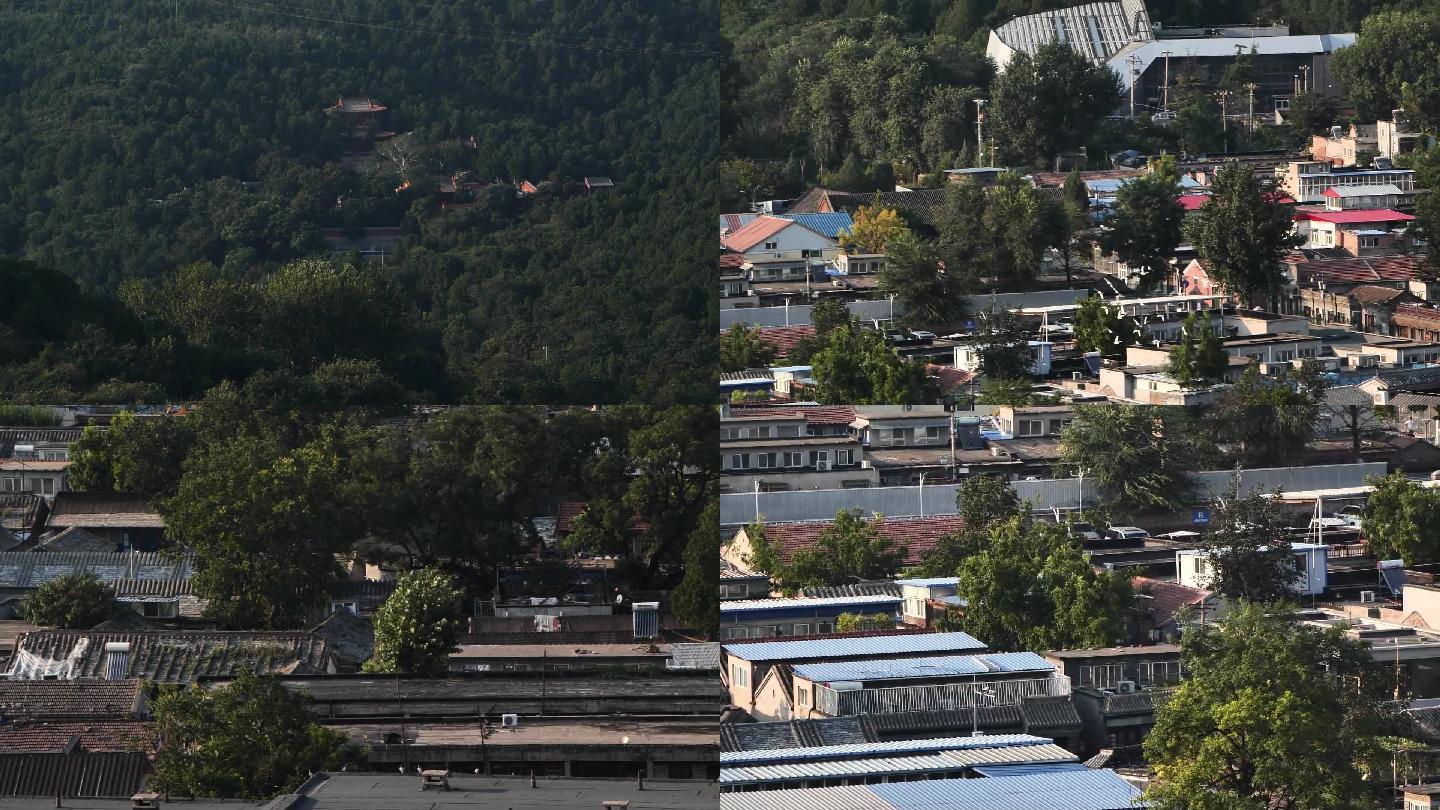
[1132, 453]
[69, 602]
[1241, 233]
[1402, 521]
[418, 627]
[1048, 102]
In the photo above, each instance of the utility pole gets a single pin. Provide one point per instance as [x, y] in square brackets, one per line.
[1304, 78]
[1134, 79]
[1224, 118]
[1165, 101]
[979, 133]
[1250, 88]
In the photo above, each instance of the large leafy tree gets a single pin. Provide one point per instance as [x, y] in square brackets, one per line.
[1031, 588]
[696, 600]
[742, 348]
[1272, 715]
[996, 235]
[851, 548]
[930, 288]
[1049, 101]
[1146, 227]
[1131, 452]
[140, 456]
[1268, 421]
[1248, 547]
[418, 627]
[857, 367]
[72, 601]
[873, 228]
[1395, 62]
[1198, 359]
[266, 522]
[1100, 327]
[250, 739]
[1402, 521]
[982, 501]
[1004, 345]
[1241, 233]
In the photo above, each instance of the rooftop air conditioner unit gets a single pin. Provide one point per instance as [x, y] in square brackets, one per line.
[1126, 687]
[1367, 596]
[509, 720]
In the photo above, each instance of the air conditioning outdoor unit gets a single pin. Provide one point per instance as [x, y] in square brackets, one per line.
[1126, 687]
[509, 720]
[822, 466]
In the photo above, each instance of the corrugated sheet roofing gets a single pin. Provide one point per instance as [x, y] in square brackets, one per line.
[915, 668]
[30, 569]
[829, 223]
[742, 605]
[880, 749]
[1072, 790]
[821, 648]
[929, 582]
[921, 763]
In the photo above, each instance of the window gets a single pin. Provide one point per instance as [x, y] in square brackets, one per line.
[347, 607]
[824, 627]
[47, 486]
[772, 245]
[795, 459]
[844, 456]
[1159, 672]
[820, 459]
[802, 695]
[1369, 241]
[802, 629]
[739, 675]
[11, 485]
[736, 632]
[934, 432]
[1031, 427]
[765, 461]
[1102, 676]
[740, 461]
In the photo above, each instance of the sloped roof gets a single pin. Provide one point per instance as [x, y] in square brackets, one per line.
[78, 775]
[705, 655]
[814, 414]
[100, 503]
[784, 338]
[175, 656]
[829, 224]
[349, 638]
[75, 539]
[570, 510]
[1167, 598]
[1355, 269]
[916, 535]
[1372, 294]
[70, 700]
[757, 231]
[30, 569]
[1355, 216]
[1050, 713]
[853, 589]
[86, 735]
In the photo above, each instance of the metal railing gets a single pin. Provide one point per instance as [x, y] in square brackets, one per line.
[939, 697]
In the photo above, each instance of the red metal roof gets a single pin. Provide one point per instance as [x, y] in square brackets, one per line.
[755, 233]
[1355, 269]
[1192, 202]
[1351, 217]
[916, 535]
[949, 376]
[814, 414]
[731, 261]
[1418, 312]
[109, 735]
[784, 338]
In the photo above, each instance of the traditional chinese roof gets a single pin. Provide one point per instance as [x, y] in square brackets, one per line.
[1355, 269]
[354, 105]
[171, 656]
[1168, 598]
[70, 700]
[570, 510]
[814, 414]
[82, 735]
[103, 510]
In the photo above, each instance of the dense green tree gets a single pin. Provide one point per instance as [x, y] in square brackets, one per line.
[1268, 421]
[1197, 359]
[1131, 453]
[418, 627]
[69, 602]
[1013, 391]
[862, 622]
[266, 522]
[742, 348]
[1272, 714]
[1030, 588]
[1402, 521]
[847, 550]
[1146, 227]
[1048, 102]
[1248, 547]
[139, 456]
[982, 501]
[1311, 114]
[1004, 345]
[251, 739]
[856, 367]
[827, 314]
[1394, 63]
[1241, 233]
[696, 600]
[1100, 327]
[1426, 225]
[931, 290]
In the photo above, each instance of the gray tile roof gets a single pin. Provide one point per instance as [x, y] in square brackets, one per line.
[30, 569]
[1142, 702]
[1050, 714]
[695, 656]
[176, 656]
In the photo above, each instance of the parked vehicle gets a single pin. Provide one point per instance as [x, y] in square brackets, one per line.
[1085, 532]
[1126, 533]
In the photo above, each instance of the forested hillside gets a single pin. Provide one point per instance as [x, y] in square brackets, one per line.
[140, 139]
[849, 93]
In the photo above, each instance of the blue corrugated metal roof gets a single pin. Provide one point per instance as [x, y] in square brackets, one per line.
[742, 605]
[828, 223]
[1027, 768]
[880, 749]
[820, 648]
[899, 669]
[1071, 790]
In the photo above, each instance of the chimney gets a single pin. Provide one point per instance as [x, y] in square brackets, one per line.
[117, 660]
